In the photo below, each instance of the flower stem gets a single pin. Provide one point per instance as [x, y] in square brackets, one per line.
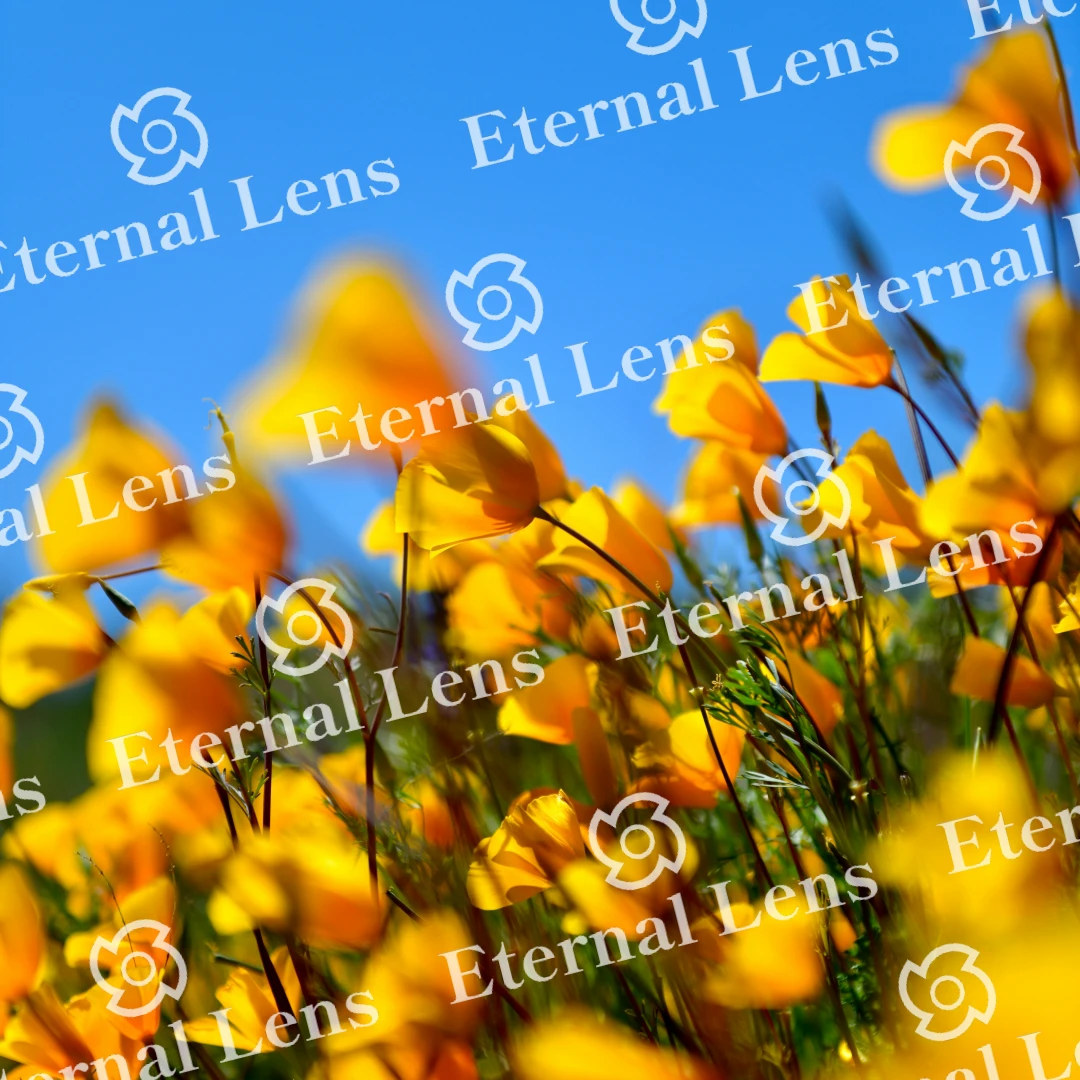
[763, 870]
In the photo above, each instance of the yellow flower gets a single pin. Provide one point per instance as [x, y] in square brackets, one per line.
[250, 1001]
[232, 536]
[575, 1045]
[883, 506]
[723, 399]
[427, 572]
[420, 1033]
[498, 608]
[540, 834]
[714, 478]
[47, 644]
[680, 763]
[467, 485]
[645, 513]
[773, 966]
[1005, 482]
[358, 341]
[917, 855]
[51, 1036]
[546, 711]
[1014, 83]
[316, 886]
[597, 518]
[168, 673]
[839, 345]
[979, 670]
[22, 935]
[107, 453]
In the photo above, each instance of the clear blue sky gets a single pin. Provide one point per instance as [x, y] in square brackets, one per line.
[630, 238]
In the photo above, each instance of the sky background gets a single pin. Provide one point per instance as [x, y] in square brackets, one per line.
[630, 239]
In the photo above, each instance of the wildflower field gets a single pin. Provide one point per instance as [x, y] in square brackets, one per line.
[372, 800]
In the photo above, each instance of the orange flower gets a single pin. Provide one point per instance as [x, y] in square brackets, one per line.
[839, 345]
[644, 512]
[1014, 83]
[467, 485]
[540, 834]
[22, 935]
[979, 670]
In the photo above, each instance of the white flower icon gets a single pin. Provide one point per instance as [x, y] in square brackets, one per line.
[948, 991]
[151, 125]
[12, 450]
[992, 171]
[139, 968]
[305, 626]
[494, 289]
[662, 23]
[803, 497]
[637, 842]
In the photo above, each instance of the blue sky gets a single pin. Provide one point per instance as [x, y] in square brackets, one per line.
[630, 238]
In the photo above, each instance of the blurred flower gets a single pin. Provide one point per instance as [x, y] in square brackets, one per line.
[848, 350]
[914, 854]
[250, 1002]
[819, 694]
[233, 536]
[358, 341]
[680, 763]
[427, 572]
[53, 1037]
[597, 518]
[167, 674]
[575, 1045]
[723, 399]
[1014, 83]
[546, 711]
[1005, 480]
[645, 513]
[773, 966]
[420, 1033]
[47, 644]
[466, 485]
[714, 479]
[314, 886]
[428, 814]
[22, 935]
[540, 834]
[108, 451]
[498, 608]
[979, 670]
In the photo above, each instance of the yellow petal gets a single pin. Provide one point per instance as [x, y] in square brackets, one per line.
[599, 520]
[471, 484]
[546, 711]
